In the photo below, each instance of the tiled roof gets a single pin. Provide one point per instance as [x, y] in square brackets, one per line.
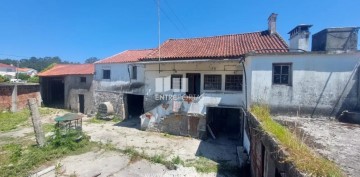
[68, 69]
[127, 56]
[24, 69]
[226, 46]
[6, 66]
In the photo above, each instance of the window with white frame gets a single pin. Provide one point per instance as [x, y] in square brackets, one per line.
[282, 73]
[212, 82]
[233, 82]
[176, 81]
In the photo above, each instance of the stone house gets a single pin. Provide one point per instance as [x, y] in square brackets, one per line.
[119, 79]
[68, 86]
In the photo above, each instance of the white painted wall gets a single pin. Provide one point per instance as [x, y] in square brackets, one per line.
[319, 81]
[215, 98]
[119, 74]
[8, 71]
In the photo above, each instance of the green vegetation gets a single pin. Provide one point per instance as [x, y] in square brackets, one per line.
[34, 79]
[35, 63]
[301, 155]
[19, 159]
[203, 165]
[9, 120]
[4, 79]
[22, 76]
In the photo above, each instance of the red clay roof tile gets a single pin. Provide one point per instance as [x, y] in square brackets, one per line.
[226, 46]
[127, 56]
[68, 69]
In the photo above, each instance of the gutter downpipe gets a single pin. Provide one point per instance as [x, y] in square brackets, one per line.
[242, 60]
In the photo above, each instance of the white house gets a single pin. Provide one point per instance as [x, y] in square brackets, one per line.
[7, 70]
[201, 82]
[120, 80]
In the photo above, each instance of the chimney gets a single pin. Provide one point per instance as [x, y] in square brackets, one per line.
[272, 23]
[299, 38]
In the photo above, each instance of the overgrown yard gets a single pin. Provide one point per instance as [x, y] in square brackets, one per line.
[112, 149]
[304, 158]
[17, 119]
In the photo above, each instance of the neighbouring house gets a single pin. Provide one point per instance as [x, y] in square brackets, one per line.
[198, 84]
[7, 70]
[68, 86]
[321, 82]
[28, 71]
[119, 79]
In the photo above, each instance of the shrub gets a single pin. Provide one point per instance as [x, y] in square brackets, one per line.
[34, 79]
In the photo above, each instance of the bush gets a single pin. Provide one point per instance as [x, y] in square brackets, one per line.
[4, 79]
[34, 79]
[22, 76]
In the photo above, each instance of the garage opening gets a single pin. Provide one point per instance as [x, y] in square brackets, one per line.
[134, 106]
[224, 123]
[53, 92]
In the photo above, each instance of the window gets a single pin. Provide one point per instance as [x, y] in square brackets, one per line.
[134, 72]
[8, 70]
[176, 81]
[212, 82]
[83, 79]
[282, 73]
[233, 82]
[106, 74]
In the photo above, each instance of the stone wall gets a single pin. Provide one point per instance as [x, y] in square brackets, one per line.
[267, 159]
[115, 98]
[14, 96]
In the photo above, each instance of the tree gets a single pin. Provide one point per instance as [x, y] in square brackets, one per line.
[23, 76]
[91, 60]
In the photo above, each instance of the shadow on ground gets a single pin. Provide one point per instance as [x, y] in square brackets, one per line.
[222, 150]
[129, 123]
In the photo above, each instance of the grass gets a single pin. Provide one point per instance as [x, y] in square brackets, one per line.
[98, 120]
[18, 159]
[300, 154]
[48, 127]
[10, 121]
[203, 165]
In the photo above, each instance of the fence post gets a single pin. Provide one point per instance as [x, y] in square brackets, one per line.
[35, 117]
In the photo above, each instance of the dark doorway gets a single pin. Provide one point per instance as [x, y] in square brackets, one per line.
[224, 122]
[81, 103]
[53, 92]
[193, 84]
[134, 106]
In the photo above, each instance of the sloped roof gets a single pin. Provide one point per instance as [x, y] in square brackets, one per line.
[225, 46]
[127, 56]
[6, 65]
[24, 69]
[68, 69]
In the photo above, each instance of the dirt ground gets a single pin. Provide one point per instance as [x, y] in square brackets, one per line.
[111, 164]
[126, 134]
[337, 141]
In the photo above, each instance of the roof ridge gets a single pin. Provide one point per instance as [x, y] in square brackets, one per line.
[236, 34]
[140, 49]
[111, 56]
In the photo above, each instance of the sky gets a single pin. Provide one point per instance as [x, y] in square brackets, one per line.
[76, 30]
